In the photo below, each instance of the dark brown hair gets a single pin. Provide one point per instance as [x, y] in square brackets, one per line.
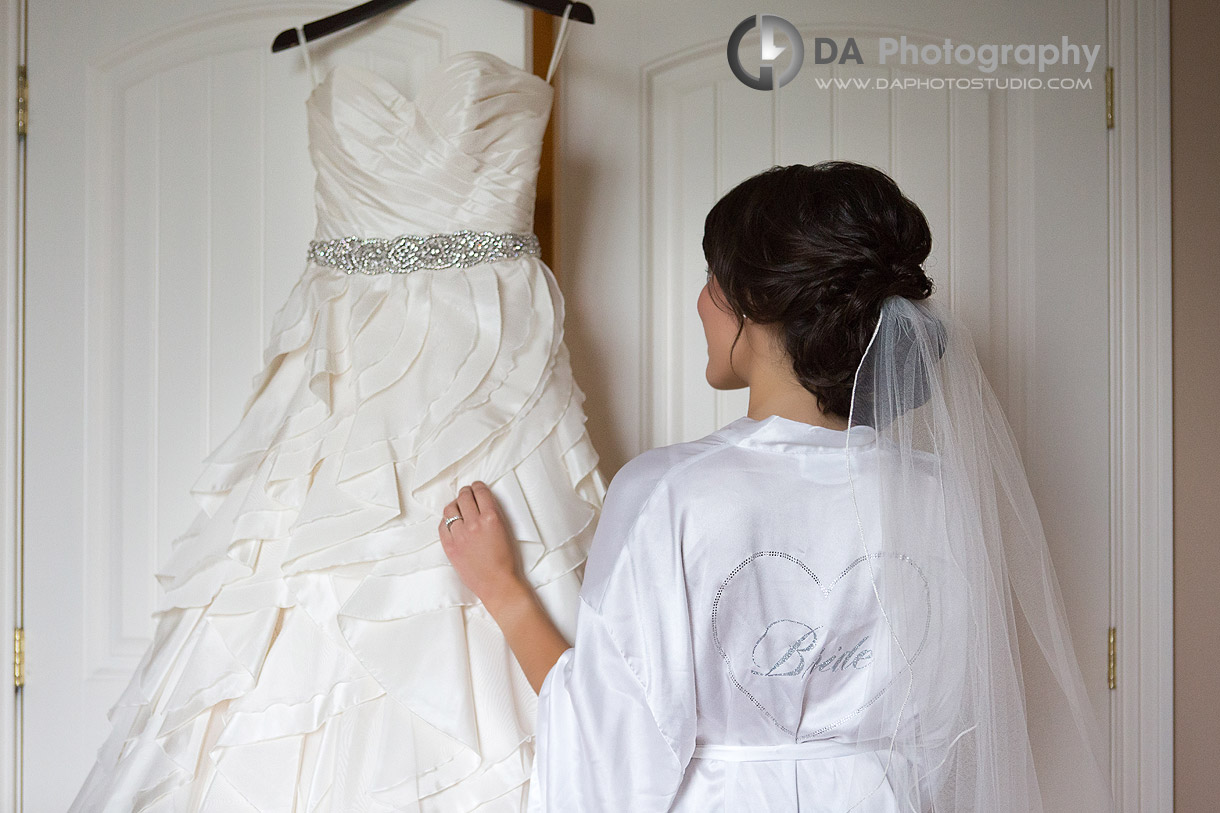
[815, 250]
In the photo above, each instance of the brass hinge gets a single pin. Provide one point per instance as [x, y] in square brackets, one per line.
[1109, 98]
[18, 657]
[1112, 659]
[23, 101]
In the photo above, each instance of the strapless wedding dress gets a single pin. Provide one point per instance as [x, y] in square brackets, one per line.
[314, 650]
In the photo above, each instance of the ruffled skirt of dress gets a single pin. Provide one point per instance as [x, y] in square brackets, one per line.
[314, 650]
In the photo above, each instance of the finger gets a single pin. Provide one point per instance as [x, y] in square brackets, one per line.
[450, 510]
[466, 503]
[483, 497]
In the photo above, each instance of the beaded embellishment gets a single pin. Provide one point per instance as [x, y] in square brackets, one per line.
[792, 655]
[413, 252]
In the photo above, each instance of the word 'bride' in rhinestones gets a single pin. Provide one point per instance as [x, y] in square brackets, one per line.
[413, 252]
[786, 648]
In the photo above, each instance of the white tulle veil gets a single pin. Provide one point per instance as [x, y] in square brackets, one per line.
[957, 557]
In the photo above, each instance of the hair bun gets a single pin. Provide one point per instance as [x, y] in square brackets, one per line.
[817, 249]
[910, 280]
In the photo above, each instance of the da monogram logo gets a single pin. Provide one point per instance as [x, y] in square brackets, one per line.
[767, 24]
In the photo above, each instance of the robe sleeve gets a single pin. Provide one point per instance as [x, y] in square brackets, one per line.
[616, 714]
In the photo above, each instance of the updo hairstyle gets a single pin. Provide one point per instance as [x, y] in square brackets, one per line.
[816, 250]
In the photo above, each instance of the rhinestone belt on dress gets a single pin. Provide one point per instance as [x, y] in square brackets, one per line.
[414, 252]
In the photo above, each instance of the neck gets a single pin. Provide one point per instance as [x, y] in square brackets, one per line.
[774, 388]
[794, 403]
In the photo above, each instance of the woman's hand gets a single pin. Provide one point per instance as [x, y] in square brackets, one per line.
[480, 546]
[483, 554]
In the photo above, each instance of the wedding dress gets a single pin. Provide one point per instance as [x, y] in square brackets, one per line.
[314, 650]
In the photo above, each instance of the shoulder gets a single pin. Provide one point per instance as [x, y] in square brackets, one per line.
[924, 466]
[639, 500]
[649, 469]
[641, 477]
[667, 468]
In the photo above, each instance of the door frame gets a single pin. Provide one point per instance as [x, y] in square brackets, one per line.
[1141, 406]
[12, 299]
[1141, 399]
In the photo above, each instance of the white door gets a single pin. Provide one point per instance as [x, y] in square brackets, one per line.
[170, 208]
[653, 127]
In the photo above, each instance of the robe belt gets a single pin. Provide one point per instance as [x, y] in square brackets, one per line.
[813, 749]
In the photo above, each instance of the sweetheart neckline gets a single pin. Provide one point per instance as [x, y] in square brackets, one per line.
[485, 57]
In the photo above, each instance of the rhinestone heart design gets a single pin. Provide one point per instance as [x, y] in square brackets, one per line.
[796, 638]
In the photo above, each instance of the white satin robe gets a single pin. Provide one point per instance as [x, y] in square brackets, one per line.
[702, 629]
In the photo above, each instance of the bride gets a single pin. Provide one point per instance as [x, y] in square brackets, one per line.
[813, 607]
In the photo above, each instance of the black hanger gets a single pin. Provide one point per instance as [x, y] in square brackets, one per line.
[358, 14]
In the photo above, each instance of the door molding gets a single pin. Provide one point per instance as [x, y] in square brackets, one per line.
[11, 352]
[1141, 406]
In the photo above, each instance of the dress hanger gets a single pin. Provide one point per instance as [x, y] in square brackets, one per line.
[289, 38]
